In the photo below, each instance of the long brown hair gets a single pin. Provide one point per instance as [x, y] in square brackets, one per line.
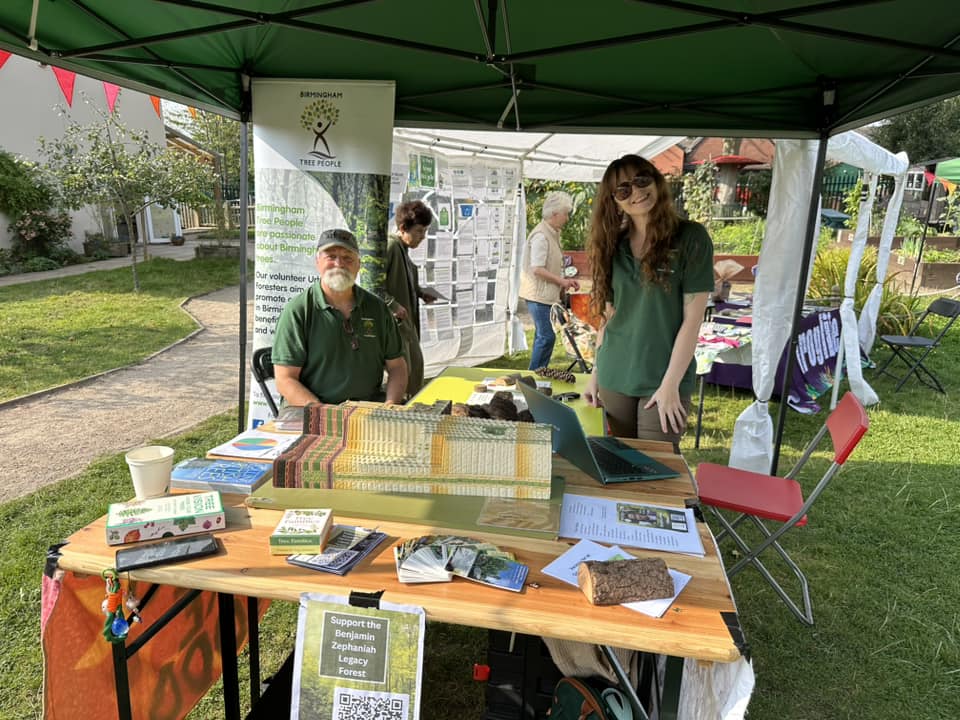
[609, 224]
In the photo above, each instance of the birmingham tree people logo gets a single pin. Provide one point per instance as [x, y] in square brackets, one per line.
[318, 117]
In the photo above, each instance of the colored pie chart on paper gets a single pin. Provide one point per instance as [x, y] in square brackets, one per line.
[255, 444]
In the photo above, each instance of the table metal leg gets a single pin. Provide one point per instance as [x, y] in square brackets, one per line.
[228, 656]
[253, 635]
[122, 681]
[625, 685]
[696, 441]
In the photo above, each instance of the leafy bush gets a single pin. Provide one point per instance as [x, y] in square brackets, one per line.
[897, 310]
[21, 187]
[36, 233]
[9, 265]
[39, 264]
[573, 235]
[699, 189]
[739, 238]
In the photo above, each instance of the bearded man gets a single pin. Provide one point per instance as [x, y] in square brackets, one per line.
[334, 340]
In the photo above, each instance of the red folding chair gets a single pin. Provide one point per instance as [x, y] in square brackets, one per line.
[760, 497]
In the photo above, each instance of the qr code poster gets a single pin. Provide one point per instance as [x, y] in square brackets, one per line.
[355, 663]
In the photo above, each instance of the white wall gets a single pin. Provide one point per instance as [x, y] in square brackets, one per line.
[29, 96]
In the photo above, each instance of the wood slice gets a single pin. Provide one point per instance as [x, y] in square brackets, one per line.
[621, 581]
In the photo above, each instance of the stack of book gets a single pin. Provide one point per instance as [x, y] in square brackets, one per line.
[438, 558]
[225, 476]
[347, 546]
[302, 532]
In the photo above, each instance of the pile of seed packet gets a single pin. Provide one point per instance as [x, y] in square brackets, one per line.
[438, 558]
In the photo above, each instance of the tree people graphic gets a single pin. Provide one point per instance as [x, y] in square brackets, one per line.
[318, 117]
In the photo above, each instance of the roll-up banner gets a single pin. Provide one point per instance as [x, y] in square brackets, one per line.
[322, 152]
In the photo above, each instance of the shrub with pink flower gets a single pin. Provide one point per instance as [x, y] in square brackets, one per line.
[37, 232]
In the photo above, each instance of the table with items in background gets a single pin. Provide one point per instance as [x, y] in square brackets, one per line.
[724, 356]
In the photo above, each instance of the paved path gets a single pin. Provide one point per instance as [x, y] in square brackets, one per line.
[55, 435]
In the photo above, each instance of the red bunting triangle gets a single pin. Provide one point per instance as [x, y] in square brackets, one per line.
[111, 91]
[4, 56]
[65, 78]
[156, 104]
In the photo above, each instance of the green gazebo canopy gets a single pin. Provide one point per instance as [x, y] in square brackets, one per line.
[721, 67]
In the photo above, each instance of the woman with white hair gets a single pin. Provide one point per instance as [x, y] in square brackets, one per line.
[542, 280]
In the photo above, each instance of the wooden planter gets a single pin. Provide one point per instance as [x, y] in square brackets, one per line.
[932, 275]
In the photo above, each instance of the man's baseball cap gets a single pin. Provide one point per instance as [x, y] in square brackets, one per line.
[338, 237]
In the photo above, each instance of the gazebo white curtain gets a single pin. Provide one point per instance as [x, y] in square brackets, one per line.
[776, 286]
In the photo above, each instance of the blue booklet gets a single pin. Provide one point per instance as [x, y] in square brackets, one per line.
[227, 476]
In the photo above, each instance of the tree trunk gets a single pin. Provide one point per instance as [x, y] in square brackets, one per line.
[620, 581]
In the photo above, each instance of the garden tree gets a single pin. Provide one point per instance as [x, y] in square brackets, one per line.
[573, 235]
[110, 164]
[931, 132]
[698, 190]
[221, 136]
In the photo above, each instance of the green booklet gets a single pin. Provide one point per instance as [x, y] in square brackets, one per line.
[357, 662]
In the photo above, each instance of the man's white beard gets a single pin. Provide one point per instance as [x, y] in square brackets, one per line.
[338, 279]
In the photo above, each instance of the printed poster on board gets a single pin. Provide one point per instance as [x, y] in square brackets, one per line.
[353, 663]
[322, 150]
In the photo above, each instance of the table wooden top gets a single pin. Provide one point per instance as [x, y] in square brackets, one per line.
[695, 626]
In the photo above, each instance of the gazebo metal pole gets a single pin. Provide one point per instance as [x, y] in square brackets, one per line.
[809, 242]
[923, 237]
[244, 193]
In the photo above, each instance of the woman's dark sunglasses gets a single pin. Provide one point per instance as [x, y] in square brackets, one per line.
[625, 189]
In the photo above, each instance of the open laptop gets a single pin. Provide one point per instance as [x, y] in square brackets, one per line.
[603, 458]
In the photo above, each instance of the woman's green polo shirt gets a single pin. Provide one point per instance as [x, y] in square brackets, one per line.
[638, 341]
[312, 335]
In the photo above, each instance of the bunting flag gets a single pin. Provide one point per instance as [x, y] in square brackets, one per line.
[948, 184]
[156, 104]
[193, 111]
[4, 56]
[111, 91]
[65, 78]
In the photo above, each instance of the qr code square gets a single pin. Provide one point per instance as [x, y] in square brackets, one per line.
[352, 704]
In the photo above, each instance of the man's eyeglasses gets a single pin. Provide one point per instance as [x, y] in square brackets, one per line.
[625, 189]
[348, 329]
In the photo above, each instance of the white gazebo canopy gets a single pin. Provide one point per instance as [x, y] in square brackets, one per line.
[551, 156]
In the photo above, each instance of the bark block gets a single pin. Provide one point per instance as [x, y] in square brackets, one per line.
[621, 581]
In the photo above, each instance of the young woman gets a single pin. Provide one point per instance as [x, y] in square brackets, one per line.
[652, 276]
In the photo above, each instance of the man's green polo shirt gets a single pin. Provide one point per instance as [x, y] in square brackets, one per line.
[638, 341]
[312, 335]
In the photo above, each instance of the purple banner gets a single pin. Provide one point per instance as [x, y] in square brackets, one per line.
[818, 343]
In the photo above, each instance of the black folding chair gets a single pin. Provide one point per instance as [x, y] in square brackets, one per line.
[913, 349]
[262, 366]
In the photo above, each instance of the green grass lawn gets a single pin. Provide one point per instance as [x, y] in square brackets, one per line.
[58, 331]
[881, 552]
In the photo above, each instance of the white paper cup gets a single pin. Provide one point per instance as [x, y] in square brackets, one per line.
[150, 469]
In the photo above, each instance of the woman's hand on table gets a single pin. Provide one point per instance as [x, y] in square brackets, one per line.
[591, 392]
[672, 413]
